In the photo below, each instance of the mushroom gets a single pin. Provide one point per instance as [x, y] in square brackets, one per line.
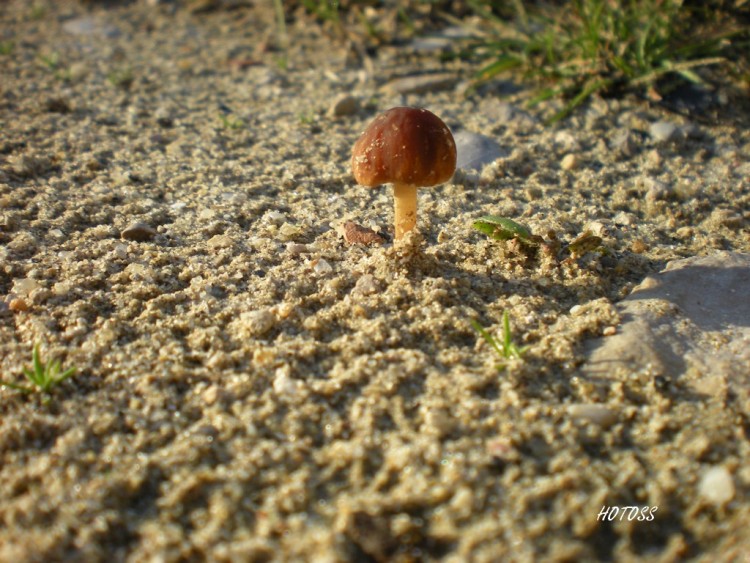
[410, 148]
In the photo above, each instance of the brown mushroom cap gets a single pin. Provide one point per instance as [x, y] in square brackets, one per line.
[404, 146]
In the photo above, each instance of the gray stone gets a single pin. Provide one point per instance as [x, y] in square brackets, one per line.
[421, 84]
[663, 131]
[344, 105]
[89, 26]
[475, 151]
[691, 320]
[444, 40]
[624, 144]
[597, 414]
[139, 232]
[657, 190]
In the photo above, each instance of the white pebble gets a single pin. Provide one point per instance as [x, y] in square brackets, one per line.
[257, 323]
[289, 231]
[322, 267]
[598, 228]
[569, 162]
[24, 286]
[366, 285]
[275, 217]
[283, 384]
[717, 486]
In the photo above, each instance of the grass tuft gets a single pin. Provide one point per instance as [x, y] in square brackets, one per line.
[121, 77]
[44, 377]
[232, 122]
[599, 46]
[506, 349]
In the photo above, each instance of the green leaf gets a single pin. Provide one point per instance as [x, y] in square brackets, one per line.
[500, 228]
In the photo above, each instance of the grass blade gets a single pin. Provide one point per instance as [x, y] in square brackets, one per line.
[487, 336]
[10, 385]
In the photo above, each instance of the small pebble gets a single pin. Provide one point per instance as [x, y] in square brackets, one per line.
[624, 144]
[283, 384]
[601, 415]
[212, 394]
[18, 305]
[275, 217]
[366, 285]
[657, 190]
[296, 248]
[717, 486]
[343, 106]
[322, 267]
[89, 26]
[219, 241]
[654, 160]
[598, 229]
[475, 151]
[257, 323]
[289, 231]
[625, 219]
[421, 84]
[139, 232]
[569, 162]
[663, 131]
[25, 286]
[567, 141]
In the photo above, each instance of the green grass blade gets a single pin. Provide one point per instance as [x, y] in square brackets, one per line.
[586, 92]
[35, 377]
[487, 336]
[502, 64]
[65, 375]
[507, 338]
[10, 385]
[544, 95]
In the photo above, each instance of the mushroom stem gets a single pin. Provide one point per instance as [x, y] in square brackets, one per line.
[405, 219]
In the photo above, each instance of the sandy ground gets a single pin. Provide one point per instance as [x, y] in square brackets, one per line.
[250, 387]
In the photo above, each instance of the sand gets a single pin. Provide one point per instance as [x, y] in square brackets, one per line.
[251, 387]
